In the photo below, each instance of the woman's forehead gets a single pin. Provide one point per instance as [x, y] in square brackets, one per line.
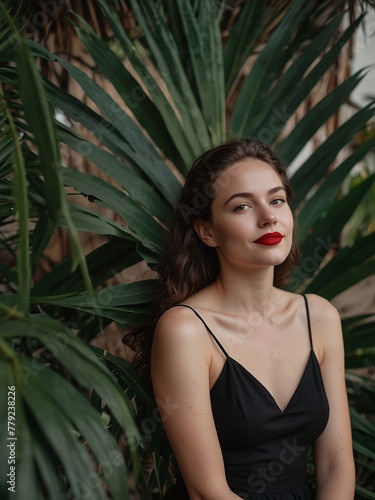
[250, 173]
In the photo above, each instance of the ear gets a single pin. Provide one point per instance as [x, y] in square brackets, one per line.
[203, 230]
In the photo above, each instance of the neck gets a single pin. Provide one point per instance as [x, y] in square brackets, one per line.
[242, 292]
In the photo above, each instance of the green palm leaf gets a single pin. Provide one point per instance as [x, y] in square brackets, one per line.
[145, 111]
[205, 49]
[325, 195]
[152, 20]
[345, 269]
[316, 117]
[326, 233]
[131, 182]
[144, 227]
[78, 359]
[293, 87]
[139, 149]
[119, 253]
[316, 166]
[241, 42]
[265, 69]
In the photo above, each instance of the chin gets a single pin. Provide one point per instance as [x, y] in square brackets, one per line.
[276, 260]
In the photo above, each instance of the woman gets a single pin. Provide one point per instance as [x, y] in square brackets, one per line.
[254, 374]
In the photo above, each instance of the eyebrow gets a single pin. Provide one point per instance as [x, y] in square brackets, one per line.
[251, 195]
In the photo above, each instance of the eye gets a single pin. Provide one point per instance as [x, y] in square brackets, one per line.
[241, 208]
[278, 201]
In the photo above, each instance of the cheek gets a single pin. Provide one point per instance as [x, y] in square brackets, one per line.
[289, 226]
[287, 218]
[235, 229]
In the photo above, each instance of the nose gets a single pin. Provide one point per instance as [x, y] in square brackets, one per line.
[267, 216]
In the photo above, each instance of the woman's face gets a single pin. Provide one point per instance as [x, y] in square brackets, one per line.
[252, 224]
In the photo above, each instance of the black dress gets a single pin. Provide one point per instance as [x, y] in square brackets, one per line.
[265, 448]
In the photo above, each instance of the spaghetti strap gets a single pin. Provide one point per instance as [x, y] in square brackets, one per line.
[308, 320]
[205, 324]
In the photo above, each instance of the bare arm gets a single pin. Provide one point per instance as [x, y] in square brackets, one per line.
[335, 475]
[180, 374]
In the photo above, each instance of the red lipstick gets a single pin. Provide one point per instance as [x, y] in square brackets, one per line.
[269, 239]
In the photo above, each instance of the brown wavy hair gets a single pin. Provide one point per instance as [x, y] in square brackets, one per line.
[188, 265]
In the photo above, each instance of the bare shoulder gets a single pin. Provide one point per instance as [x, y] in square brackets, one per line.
[325, 324]
[179, 325]
[180, 355]
[321, 310]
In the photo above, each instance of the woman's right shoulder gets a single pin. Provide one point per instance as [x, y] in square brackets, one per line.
[180, 343]
[179, 322]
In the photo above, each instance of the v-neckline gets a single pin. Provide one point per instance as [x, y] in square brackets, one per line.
[264, 388]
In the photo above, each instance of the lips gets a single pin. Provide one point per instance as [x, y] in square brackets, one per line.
[269, 239]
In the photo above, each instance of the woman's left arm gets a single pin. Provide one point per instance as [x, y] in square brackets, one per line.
[333, 452]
